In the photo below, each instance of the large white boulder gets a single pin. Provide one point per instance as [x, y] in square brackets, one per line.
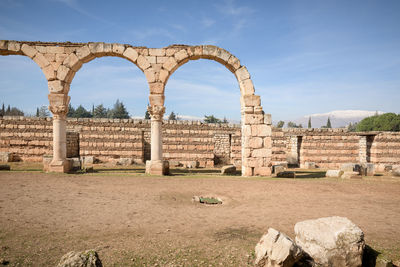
[275, 249]
[331, 241]
[88, 258]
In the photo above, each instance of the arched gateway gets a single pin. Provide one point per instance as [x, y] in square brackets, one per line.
[60, 61]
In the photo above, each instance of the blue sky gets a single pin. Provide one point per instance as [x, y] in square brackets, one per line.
[304, 56]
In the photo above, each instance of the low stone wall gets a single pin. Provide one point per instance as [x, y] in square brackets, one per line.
[29, 138]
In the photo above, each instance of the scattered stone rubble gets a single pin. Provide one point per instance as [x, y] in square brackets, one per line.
[325, 242]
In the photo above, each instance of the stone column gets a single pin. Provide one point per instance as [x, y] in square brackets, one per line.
[59, 108]
[362, 149]
[156, 165]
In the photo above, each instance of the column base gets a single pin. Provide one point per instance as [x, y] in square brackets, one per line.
[62, 166]
[157, 167]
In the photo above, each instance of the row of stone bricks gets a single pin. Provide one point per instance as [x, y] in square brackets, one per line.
[328, 147]
[330, 137]
[200, 147]
[105, 145]
[111, 138]
[393, 150]
[188, 139]
[22, 126]
[385, 159]
[112, 153]
[105, 129]
[187, 155]
[383, 146]
[22, 151]
[20, 142]
[337, 159]
[328, 152]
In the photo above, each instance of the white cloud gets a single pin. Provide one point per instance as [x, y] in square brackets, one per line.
[207, 22]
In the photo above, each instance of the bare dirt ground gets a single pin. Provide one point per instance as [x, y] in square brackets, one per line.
[136, 220]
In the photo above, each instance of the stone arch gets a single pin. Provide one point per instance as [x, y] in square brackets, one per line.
[16, 48]
[256, 126]
[86, 53]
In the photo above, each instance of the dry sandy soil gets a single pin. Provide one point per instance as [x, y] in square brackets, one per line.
[136, 220]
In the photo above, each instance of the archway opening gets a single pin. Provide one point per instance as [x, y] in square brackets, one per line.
[113, 93]
[24, 90]
[198, 92]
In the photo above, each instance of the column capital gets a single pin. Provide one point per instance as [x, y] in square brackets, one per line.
[59, 105]
[156, 112]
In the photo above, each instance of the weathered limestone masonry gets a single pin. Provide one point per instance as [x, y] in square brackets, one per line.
[29, 139]
[329, 148]
[60, 61]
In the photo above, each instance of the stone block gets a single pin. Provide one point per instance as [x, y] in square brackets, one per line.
[277, 169]
[142, 63]
[151, 59]
[72, 62]
[267, 119]
[275, 249]
[125, 161]
[334, 173]
[367, 169]
[210, 50]
[262, 171]
[3, 44]
[163, 76]
[28, 50]
[55, 49]
[331, 241]
[255, 142]
[229, 169]
[96, 48]
[253, 118]
[261, 153]
[292, 158]
[156, 51]
[118, 49]
[14, 46]
[156, 100]
[261, 130]
[158, 167]
[58, 86]
[351, 167]
[156, 88]
[131, 54]
[251, 100]
[49, 72]
[181, 55]
[222, 56]
[242, 74]
[150, 75]
[63, 73]
[83, 53]
[41, 60]
[234, 63]
[170, 64]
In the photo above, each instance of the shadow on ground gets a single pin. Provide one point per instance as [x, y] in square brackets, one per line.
[310, 174]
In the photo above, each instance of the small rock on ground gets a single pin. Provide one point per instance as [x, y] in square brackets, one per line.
[88, 258]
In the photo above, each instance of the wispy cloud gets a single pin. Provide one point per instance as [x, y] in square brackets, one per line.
[207, 22]
[73, 4]
[229, 7]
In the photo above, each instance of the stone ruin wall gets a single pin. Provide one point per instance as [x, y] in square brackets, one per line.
[185, 141]
[30, 138]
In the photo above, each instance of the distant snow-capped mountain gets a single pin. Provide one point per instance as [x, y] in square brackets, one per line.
[339, 118]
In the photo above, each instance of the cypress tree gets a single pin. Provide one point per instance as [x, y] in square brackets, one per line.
[309, 122]
[328, 123]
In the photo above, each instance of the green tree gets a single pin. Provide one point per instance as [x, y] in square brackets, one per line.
[294, 125]
[119, 111]
[43, 112]
[37, 112]
[309, 122]
[280, 124]
[15, 112]
[71, 111]
[384, 122]
[8, 110]
[172, 116]
[147, 114]
[224, 120]
[328, 123]
[81, 112]
[100, 111]
[211, 119]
